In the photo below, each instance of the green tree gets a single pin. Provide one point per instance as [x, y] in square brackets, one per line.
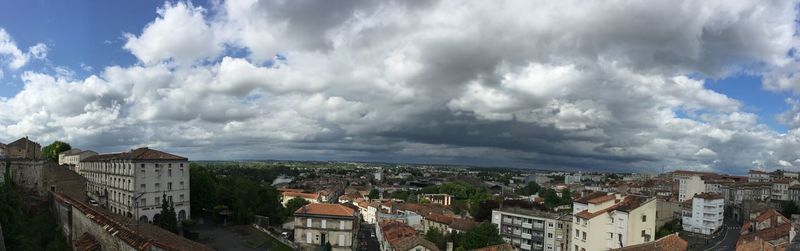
[168, 219]
[788, 208]
[437, 237]
[669, 228]
[374, 194]
[294, 204]
[484, 212]
[51, 151]
[566, 197]
[483, 235]
[529, 189]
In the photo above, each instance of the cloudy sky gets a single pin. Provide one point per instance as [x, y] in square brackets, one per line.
[600, 85]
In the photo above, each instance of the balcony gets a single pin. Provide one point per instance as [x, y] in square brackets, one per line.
[527, 225]
[526, 236]
[525, 247]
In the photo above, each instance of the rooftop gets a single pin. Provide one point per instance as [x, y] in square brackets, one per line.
[671, 242]
[326, 209]
[708, 196]
[136, 154]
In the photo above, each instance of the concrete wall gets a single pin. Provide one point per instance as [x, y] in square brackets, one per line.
[82, 224]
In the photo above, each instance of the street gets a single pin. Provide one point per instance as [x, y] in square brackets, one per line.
[365, 241]
[729, 237]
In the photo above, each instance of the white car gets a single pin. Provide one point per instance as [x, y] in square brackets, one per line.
[94, 203]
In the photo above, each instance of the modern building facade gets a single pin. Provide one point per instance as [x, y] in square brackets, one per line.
[531, 229]
[705, 213]
[605, 221]
[317, 224]
[134, 183]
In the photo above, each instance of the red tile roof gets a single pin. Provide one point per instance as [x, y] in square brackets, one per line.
[708, 196]
[588, 197]
[671, 242]
[326, 209]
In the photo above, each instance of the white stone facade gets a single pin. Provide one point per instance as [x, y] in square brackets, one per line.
[706, 214]
[134, 186]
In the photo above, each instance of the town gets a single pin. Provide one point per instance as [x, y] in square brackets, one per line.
[148, 199]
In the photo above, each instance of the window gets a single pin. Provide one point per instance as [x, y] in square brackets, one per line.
[158, 186]
[549, 235]
[560, 226]
[169, 198]
[611, 235]
[584, 236]
[341, 240]
[181, 198]
[144, 187]
[308, 234]
[550, 224]
[169, 186]
[341, 225]
[612, 220]
[182, 187]
[644, 218]
[324, 223]
[308, 224]
[577, 233]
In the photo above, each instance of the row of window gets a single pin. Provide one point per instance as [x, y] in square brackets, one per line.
[324, 224]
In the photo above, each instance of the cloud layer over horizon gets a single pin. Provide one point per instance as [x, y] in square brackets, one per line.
[580, 85]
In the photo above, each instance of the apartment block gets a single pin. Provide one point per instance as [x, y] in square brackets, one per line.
[704, 214]
[531, 229]
[134, 183]
[605, 221]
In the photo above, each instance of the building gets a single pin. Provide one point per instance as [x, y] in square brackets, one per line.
[317, 224]
[398, 236]
[310, 197]
[24, 148]
[689, 186]
[72, 158]
[705, 214]
[134, 183]
[531, 229]
[768, 230]
[671, 242]
[572, 179]
[780, 188]
[441, 199]
[758, 176]
[605, 221]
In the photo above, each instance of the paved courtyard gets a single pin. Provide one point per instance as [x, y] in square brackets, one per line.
[237, 238]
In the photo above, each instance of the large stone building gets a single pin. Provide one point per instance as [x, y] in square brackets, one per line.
[531, 229]
[317, 224]
[71, 158]
[606, 221]
[758, 176]
[134, 183]
[705, 213]
[24, 148]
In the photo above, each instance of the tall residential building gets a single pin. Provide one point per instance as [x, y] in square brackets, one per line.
[605, 221]
[531, 229]
[705, 214]
[317, 224]
[572, 178]
[780, 188]
[134, 183]
[758, 176]
[689, 186]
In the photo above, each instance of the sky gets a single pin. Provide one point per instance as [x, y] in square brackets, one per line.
[568, 85]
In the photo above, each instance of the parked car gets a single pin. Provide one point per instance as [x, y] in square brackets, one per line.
[93, 202]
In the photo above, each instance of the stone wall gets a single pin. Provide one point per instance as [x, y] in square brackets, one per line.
[26, 174]
[81, 223]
